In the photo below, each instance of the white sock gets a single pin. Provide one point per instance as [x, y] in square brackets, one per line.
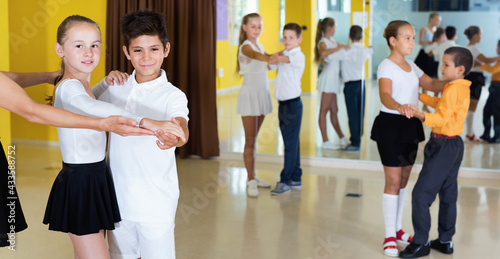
[401, 202]
[468, 121]
[390, 210]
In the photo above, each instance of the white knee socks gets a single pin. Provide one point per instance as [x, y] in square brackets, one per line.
[468, 122]
[390, 211]
[401, 202]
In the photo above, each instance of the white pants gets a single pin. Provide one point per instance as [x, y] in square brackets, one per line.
[145, 240]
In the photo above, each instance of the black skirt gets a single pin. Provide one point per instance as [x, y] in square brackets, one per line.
[396, 128]
[82, 200]
[477, 82]
[426, 63]
[11, 214]
[397, 138]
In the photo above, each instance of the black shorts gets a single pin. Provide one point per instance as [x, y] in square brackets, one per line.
[396, 154]
[477, 83]
[397, 138]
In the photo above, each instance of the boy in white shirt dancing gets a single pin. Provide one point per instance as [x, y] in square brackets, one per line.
[354, 89]
[287, 90]
[145, 176]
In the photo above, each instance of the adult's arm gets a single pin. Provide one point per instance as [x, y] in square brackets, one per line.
[14, 99]
[30, 79]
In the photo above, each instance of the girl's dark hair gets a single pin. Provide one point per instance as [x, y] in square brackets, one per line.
[62, 31]
[141, 23]
[437, 34]
[471, 31]
[243, 35]
[392, 30]
[323, 24]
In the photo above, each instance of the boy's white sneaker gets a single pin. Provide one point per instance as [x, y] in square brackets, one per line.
[262, 184]
[329, 145]
[252, 190]
[343, 142]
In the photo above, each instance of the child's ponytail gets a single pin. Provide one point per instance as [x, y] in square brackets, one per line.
[243, 36]
[322, 26]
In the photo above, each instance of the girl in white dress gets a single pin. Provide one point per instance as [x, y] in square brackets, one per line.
[328, 80]
[254, 99]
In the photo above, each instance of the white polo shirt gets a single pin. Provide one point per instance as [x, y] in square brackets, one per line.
[288, 81]
[145, 176]
[352, 68]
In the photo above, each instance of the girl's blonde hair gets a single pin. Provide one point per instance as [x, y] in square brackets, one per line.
[62, 32]
[243, 35]
[322, 26]
[392, 30]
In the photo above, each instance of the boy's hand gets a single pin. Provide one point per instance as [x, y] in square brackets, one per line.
[117, 77]
[417, 114]
[274, 59]
[166, 140]
[406, 110]
[172, 127]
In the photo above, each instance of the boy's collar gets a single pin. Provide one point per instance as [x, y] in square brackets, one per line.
[159, 80]
[292, 50]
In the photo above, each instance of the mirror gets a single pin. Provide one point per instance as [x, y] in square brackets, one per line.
[481, 13]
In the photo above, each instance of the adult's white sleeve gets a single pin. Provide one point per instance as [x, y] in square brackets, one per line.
[75, 99]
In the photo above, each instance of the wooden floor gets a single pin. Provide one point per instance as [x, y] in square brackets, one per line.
[215, 219]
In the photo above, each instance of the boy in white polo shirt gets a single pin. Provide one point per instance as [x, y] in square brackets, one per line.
[354, 88]
[287, 90]
[145, 176]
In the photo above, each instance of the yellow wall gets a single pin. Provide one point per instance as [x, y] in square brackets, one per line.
[33, 25]
[4, 65]
[304, 12]
[226, 52]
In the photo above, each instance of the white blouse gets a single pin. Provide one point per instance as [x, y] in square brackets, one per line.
[83, 145]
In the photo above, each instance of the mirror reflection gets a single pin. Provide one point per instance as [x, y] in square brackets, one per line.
[460, 14]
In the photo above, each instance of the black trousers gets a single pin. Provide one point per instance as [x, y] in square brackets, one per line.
[492, 109]
[442, 159]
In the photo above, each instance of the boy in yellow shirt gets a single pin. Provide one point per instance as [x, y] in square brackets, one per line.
[442, 156]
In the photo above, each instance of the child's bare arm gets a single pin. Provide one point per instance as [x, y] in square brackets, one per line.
[249, 52]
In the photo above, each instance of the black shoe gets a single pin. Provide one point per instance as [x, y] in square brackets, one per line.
[494, 140]
[446, 248]
[414, 251]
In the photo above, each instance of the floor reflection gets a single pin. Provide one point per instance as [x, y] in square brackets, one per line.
[216, 220]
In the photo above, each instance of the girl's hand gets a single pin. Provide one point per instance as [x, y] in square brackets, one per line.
[273, 59]
[117, 77]
[405, 110]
